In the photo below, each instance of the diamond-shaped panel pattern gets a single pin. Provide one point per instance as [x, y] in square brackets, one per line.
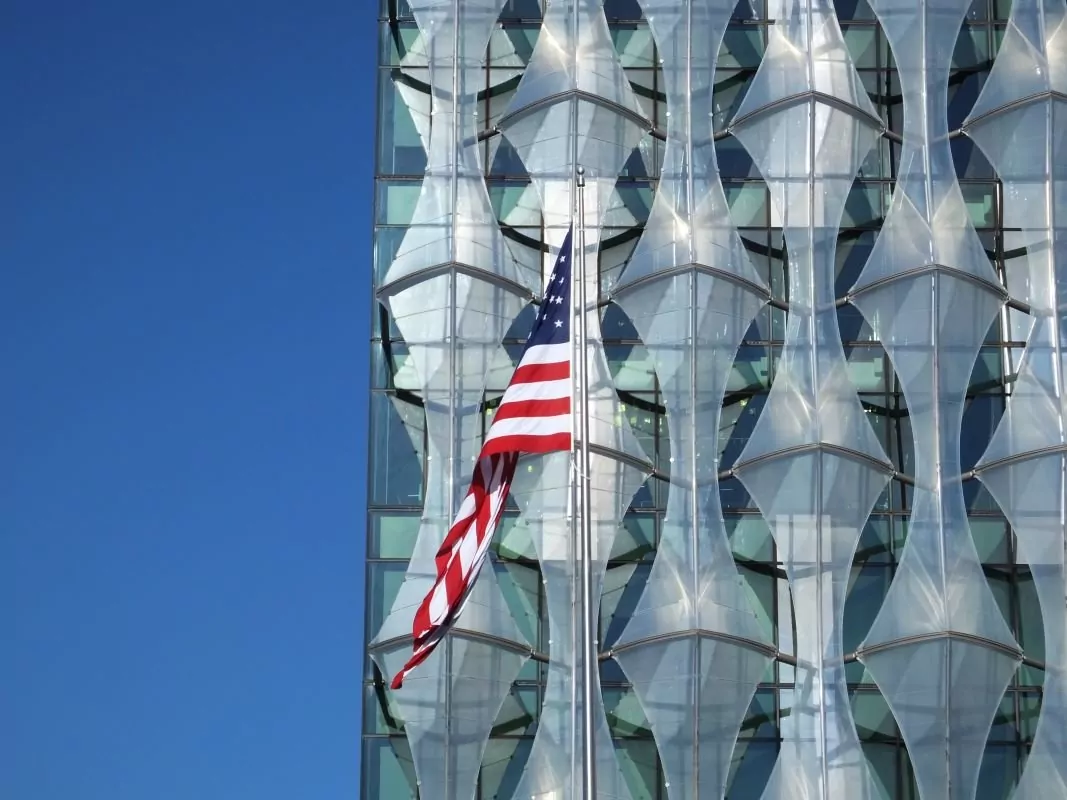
[693, 647]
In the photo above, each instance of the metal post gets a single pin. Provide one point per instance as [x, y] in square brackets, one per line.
[590, 668]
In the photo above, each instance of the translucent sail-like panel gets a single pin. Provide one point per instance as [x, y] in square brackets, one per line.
[542, 489]
[448, 706]
[813, 464]
[574, 107]
[1018, 122]
[453, 290]
[939, 649]
[690, 220]
[693, 648]
[453, 221]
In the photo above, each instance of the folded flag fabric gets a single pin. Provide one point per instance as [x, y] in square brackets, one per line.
[534, 416]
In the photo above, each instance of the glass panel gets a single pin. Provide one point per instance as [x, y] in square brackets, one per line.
[636, 540]
[760, 591]
[990, 539]
[970, 161]
[615, 325]
[962, 95]
[1003, 728]
[400, 148]
[980, 200]
[512, 45]
[729, 91]
[388, 770]
[639, 762]
[393, 367]
[863, 207]
[383, 582]
[750, 769]
[386, 243]
[1031, 633]
[748, 203]
[515, 204]
[521, 587]
[623, 11]
[980, 417]
[988, 372]
[751, 370]
[630, 205]
[734, 160]
[623, 585]
[396, 9]
[862, 43]
[634, 45]
[512, 540]
[867, 587]
[631, 368]
[761, 720]
[979, 10]
[853, 9]
[643, 83]
[625, 715]
[398, 39]
[396, 452]
[875, 545]
[392, 534]
[867, 371]
[883, 760]
[379, 713]
[999, 773]
[521, 9]
[741, 47]
[396, 201]
[518, 714]
[1029, 712]
[972, 48]
[502, 766]
[750, 537]
[643, 421]
[874, 720]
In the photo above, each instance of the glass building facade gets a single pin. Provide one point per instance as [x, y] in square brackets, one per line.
[829, 246]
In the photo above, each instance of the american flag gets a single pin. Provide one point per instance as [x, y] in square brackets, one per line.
[534, 417]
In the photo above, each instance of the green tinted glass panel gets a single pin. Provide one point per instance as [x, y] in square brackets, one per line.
[388, 770]
[383, 583]
[396, 451]
[396, 201]
[392, 534]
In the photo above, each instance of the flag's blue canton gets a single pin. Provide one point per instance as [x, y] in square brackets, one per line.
[553, 323]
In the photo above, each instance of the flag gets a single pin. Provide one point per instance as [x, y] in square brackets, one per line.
[534, 416]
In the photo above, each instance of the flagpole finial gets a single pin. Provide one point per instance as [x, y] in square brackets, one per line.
[581, 176]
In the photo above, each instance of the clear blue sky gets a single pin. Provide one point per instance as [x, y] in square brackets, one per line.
[185, 212]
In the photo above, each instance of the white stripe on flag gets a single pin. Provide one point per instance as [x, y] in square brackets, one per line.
[542, 390]
[546, 354]
[530, 426]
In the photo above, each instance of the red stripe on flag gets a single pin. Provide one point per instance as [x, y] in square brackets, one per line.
[456, 579]
[537, 420]
[529, 443]
[538, 373]
[553, 407]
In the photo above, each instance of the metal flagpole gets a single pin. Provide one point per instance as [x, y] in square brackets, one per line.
[590, 671]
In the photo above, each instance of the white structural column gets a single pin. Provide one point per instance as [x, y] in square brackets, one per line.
[1020, 122]
[813, 464]
[574, 107]
[453, 291]
[939, 649]
[693, 649]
